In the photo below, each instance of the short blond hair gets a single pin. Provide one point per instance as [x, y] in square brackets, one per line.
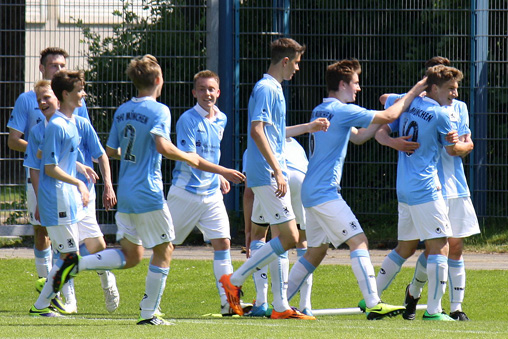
[205, 75]
[143, 71]
[41, 84]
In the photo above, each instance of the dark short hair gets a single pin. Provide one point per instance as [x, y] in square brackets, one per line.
[64, 80]
[341, 71]
[206, 74]
[143, 71]
[437, 60]
[52, 51]
[439, 74]
[285, 47]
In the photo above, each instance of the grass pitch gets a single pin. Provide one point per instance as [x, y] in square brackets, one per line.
[190, 293]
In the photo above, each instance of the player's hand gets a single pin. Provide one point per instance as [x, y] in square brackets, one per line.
[282, 186]
[85, 195]
[108, 197]
[225, 187]
[247, 245]
[421, 86]
[320, 124]
[88, 172]
[234, 176]
[37, 216]
[402, 144]
[452, 137]
[192, 159]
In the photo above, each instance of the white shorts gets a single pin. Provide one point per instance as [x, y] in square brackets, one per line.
[462, 217]
[64, 238]
[145, 229]
[423, 221]
[295, 184]
[331, 222]
[31, 202]
[88, 226]
[189, 210]
[273, 210]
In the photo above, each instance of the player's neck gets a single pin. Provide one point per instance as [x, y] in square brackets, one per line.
[337, 95]
[66, 109]
[276, 72]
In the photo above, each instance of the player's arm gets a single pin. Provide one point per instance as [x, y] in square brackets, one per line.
[394, 111]
[463, 145]
[384, 97]
[257, 132]
[248, 201]
[34, 178]
[15, 141]
[360, 136]
[113, 153]
[225, 187]
[88, 172]
[228, 173]
[400, 144]
[108, 196]
[320, 124]
[170, 151]
[56, 172]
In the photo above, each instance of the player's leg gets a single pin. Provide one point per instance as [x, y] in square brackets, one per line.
[260, 277]
[393, 262]
[65, 238]
[306, 288]
[279, 275]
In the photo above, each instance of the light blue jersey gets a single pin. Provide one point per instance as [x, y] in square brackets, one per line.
[34, 143]
[328, 149]
[135, 125]
[59, 202]
[295, 156]
[90, 146]
[197, 134]
[428, 123]
[450, 168]
[266, 104]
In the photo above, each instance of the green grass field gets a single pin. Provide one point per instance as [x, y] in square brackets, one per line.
[190, 293]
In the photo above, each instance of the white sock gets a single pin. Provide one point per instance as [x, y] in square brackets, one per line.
[306, 288]
[222, 265]
[364, 273]
[103, 260]
[47, 291]
[155, 284]
[68, 292]
[263, 257]
[43, 262]
[279, 272]
[420, 277]
[298, 275]
[437, 270]
[260, 277]
[389, 269]
[107, 278]
[457, 281]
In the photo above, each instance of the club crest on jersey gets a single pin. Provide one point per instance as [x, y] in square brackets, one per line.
[198, 143]
[62, 214]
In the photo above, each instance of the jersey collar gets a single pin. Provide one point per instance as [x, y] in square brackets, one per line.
[269, 77]
[147, 98]
[204, 113]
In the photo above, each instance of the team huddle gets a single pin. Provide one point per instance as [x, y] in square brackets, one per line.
[299, 199]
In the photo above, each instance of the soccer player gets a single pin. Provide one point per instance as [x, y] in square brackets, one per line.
[25, 115]
[296, 160]
[329, 218]
[267, 174]
[461, 212]
[195, 197]
[139, 136]
[61, 196]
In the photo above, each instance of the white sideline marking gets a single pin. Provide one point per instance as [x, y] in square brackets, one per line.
[349, 310]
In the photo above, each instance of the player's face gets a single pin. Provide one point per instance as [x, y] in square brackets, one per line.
[54, 63]
[206, 92]
[292, 66]
[351, 88]
[48, 103]
[78, 93]
[445, 93]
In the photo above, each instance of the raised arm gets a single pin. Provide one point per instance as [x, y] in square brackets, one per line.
[400, 144]
[320, 124]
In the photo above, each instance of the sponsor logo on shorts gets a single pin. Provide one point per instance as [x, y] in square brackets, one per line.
[70, 243]
[353, 225]
[164, 236]
[264, 276]
[98, 256]
[277, 216]
[344, 232]
[261, 218]
[286, 210]
[438, 230]
[60, 246]
[382, 271]
[62, 214]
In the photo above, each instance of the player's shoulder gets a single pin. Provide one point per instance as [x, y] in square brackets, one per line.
[28, 96]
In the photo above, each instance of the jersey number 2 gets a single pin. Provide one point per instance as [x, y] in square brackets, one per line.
[130, 133]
